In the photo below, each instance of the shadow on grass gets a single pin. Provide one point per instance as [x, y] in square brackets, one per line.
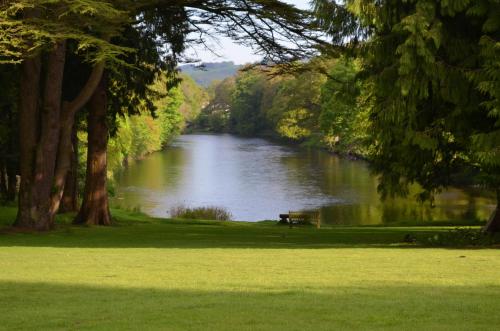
[211, 235]
[40, 306]
[135, 230]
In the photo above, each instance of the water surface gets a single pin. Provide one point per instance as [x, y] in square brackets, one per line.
[256, 180]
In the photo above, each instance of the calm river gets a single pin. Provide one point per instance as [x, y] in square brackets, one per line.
[256, 180]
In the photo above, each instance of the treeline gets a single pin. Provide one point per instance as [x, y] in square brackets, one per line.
[323, 108]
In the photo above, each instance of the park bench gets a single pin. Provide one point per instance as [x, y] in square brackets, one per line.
[301, 217]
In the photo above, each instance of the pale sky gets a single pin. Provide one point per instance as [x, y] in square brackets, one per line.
[230, 51]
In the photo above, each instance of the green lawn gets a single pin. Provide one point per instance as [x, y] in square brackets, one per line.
[147, 274]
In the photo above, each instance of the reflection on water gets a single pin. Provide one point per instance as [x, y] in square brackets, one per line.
[256, 180]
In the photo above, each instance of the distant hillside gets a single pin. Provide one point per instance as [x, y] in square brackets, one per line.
[206, 73]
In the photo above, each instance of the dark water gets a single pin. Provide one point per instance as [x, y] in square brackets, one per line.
[256, 180]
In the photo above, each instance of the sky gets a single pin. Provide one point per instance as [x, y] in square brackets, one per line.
[227, 50]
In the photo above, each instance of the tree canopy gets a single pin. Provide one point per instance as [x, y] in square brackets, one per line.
[433, 72]
[121, 48]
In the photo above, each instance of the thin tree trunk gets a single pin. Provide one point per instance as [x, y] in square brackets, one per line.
[69, 201]
[12, 159]
[11, 181]
[28, 132]
[65, 151]
[3, 180]
[493, 224]
[95, 205]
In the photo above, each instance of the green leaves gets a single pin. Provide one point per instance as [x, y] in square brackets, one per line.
[433, 70]
[291, 125]
[28, 27]
[486, 148]
[344, 111]
[453, 7]
[422, 140]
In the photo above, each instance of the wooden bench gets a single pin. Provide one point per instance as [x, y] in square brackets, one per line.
[301, 217]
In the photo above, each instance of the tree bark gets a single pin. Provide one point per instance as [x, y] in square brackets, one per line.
[64, 155]
[65, 151]
[69, 201]
[493, 224]
[28, 132]
[95, 205]
[46, 152]
[35, 210]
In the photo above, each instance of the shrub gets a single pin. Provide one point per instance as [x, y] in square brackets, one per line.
[201, 213]
[462, 237]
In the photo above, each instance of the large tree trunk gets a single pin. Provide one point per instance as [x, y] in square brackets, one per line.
[493, 224]
[95, 205]
[69, 201]
[46, 153]
[28, 133]
[35, 210]
[66, 150]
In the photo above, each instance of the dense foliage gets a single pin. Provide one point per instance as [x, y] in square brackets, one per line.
[413, 85]
[415, 89]
[325, 110]
[101, 57]
[144, 133]
[433, 71]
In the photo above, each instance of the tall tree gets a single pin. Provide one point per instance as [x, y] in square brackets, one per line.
[171, 25]
[95, 205]
[246, 117]
[344, 114]
[45, 28]
[37, 33]
[434, 70]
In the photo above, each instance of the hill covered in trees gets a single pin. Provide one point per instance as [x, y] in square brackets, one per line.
[206, 73]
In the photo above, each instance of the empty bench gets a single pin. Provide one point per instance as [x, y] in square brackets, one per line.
[301, 217]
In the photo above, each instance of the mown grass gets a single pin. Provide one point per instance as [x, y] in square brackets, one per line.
[146, 274]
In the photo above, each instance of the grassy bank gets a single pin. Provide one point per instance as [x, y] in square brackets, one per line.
[148, 273]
